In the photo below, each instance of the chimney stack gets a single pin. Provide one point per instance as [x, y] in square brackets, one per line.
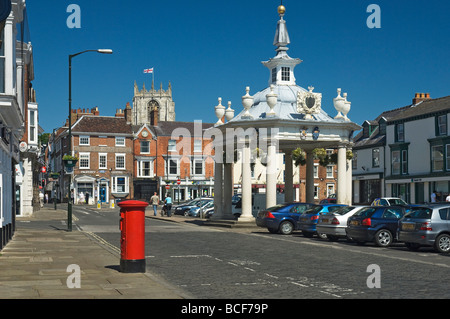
[128, 112]
[419, 97]
[119, 113]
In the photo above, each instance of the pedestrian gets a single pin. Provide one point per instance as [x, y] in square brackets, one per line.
[155, 201]
[46, 198]
[433, 197]
[168, 202]
[41, 199]
[87, 198]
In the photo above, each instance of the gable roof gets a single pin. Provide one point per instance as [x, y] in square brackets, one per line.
[101, 125]
[166, 128]
[425, 108]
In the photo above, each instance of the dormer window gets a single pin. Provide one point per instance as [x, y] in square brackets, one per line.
[382, 126]
[285, 73]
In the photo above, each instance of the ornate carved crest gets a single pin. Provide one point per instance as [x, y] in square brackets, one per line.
[309, 103]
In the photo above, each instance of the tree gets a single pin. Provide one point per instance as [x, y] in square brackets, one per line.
[43, 138]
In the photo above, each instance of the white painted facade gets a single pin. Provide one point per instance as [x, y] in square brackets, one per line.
[11, 119]
[416, 164]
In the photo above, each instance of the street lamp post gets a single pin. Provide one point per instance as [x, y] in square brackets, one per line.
[69, 197]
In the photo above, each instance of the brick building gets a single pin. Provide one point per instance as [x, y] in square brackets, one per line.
[118, 160]
[104, 147]
[183, 157]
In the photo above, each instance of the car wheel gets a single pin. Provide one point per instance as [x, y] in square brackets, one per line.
[383, 238]
[186, 213]
[442, 243]
[322, 235]
[286, 228]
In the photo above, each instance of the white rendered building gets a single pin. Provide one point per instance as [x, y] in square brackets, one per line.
[12, 116]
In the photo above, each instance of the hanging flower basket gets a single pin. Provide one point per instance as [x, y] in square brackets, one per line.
[299, 156]
[54, 175]
[70, 161]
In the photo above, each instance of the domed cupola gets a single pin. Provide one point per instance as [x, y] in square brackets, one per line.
[282, 66]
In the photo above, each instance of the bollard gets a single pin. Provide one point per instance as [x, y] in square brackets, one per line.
[132, 238]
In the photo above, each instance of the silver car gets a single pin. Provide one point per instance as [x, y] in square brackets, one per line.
[426, 226]
[197, 211]
[333, 224]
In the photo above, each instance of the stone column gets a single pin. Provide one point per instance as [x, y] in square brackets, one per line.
[349, 177]
[271, 175]
[218, 185]
[227, 191]
[309, 177]
[342, 175]
[246, 185]
[288, 177]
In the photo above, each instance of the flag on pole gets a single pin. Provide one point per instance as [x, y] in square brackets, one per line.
[148, 70]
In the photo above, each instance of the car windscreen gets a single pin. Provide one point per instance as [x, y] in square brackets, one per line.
[314, 210]
[276, 208]
[366, 212]
[420, 213]
[396, 201]
[333, 208]
[343, 210]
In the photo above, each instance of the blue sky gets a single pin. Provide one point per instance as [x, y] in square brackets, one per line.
[211, 49]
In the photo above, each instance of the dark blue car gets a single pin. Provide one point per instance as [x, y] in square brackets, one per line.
[375, 223]
[308, 220]
[281, 218]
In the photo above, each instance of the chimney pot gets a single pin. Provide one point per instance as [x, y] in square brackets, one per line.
[419, 97]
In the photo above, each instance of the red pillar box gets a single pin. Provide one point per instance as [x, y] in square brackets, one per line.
[132, 238]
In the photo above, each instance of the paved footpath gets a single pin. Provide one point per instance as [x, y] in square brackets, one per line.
[34, 265]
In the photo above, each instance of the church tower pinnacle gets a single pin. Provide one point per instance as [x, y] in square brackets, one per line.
[147, 104]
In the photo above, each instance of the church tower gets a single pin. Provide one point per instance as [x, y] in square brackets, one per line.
[152, 106]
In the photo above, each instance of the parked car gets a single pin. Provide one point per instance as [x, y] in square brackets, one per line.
[329, 200]
[208, 212]
[388, 201]
[281, 218]
[308, 220]
[375, 223]
[333, 224]
[426, 226]
[235, 199]
[197, 211]
[183, 209]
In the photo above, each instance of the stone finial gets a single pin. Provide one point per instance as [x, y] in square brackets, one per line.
[220, 112]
